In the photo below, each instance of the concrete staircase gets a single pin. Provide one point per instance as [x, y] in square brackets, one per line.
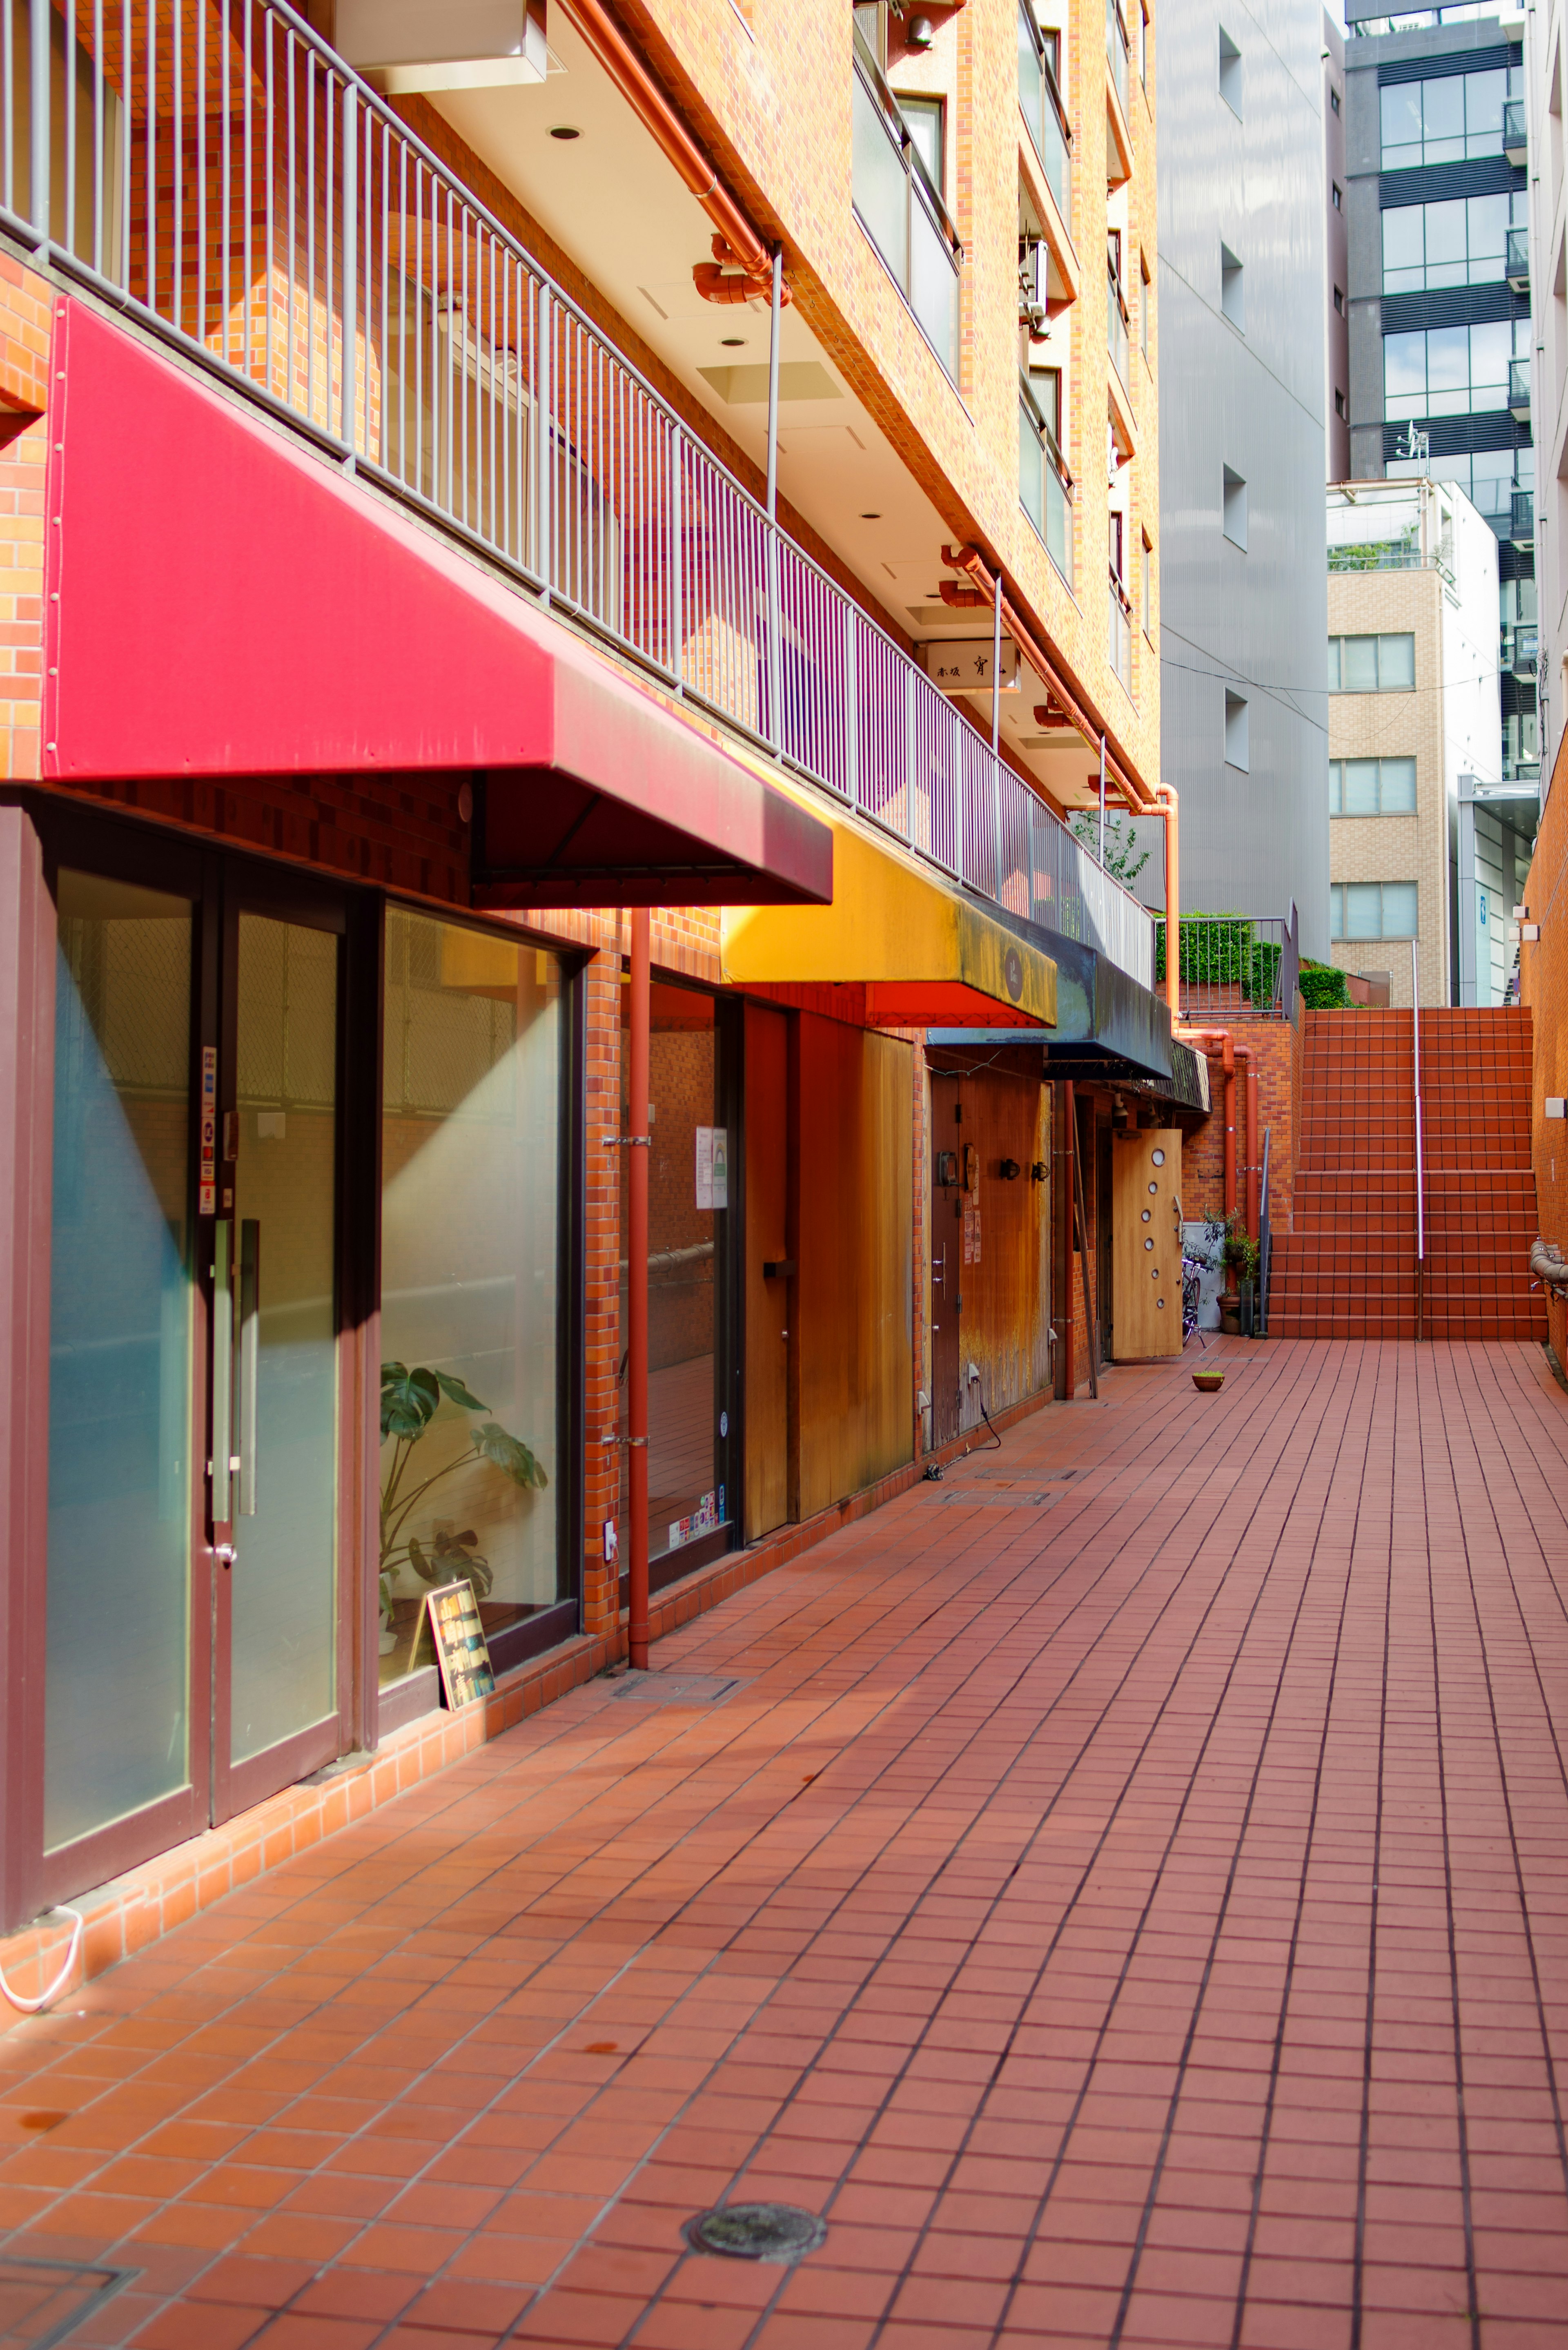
[1348, 1270]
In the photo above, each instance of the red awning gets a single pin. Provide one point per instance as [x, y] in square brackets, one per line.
[227, 602]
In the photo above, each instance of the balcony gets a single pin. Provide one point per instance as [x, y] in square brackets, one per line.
[1041, 103]
[1118, 327]
[1118, 625]
[1118, 55]
[1519, 391]
[1517, 266]
[1044, 484]
[1521, 646]
[357, 291]
[1515, 136]
[901, 212]
[1522, 518]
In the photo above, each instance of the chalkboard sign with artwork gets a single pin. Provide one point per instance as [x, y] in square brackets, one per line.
[460, 1644]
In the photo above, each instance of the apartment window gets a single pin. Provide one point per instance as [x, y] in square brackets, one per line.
[1230, 73]
[924, 119]
[1372, 909]
[1339, 301]
[1452, 370]
[1372, 664]
[1340, 409]
[1231, 301]
[1372, 787]
[1452, 120]
[1146, 304]
[899, 203]
[1039, 98]
[1463, 242]
[1234, 508]
[1146, 589]
[1143, 46]
[1237, 752]
[1334, 100]
[1338, 197]
[1044, 484]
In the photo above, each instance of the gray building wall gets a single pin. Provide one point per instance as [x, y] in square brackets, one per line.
[1251, 400]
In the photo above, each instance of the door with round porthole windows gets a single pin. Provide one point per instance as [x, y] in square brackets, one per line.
[1146, 1241]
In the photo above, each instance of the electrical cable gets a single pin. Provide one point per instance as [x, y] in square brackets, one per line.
[995, 1444]
[32, 2006]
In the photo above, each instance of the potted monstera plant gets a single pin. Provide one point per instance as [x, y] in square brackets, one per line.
[409, 1403]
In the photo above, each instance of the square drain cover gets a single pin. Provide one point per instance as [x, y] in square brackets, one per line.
[43, 2301]
[673, 1688]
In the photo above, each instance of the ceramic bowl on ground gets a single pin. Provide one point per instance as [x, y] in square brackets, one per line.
[1209, 1382]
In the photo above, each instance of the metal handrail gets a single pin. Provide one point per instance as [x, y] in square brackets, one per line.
[1420, 1171]
[240, 193]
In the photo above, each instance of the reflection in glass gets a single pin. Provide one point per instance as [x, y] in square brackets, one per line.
[283, 1672]
[685, 1498]
[116, 1683]
[470, 1135]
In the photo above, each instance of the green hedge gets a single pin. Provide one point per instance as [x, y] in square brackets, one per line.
[1223, 951]
[1324, 988]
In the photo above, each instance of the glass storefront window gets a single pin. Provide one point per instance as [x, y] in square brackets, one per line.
[118, 1677]
[687, 1200]
[473, 1479]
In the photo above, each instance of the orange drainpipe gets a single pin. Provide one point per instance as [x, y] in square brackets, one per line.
[637, 1291]
[1220, 1042]
[1168, 808]
[654, 110]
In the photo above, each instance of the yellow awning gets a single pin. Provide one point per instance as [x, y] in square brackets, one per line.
[906, 949]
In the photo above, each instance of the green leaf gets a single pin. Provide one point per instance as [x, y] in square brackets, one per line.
[509, 1455]
[409, 1399]
[427, 1570]
[455, 1392]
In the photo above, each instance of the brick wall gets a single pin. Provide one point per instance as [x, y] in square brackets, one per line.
[26, 313]
[1276, 1048]
[1396, 725]
[1543, 986]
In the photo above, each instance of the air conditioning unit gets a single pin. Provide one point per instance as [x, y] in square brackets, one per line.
[404, 45]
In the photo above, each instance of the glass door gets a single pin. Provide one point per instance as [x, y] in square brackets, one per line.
[275, 1373]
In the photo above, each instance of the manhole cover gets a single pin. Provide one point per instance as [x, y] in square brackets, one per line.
[43, 2301]
[993, 1500]
[673, 1688]
[757, 2232]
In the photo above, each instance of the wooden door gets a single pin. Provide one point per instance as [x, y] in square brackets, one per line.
[768, 1284]
[1146, 1225]
[947, 1261]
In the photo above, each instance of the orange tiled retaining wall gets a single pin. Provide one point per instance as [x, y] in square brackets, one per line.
[1276, 1049]
[1544, 985]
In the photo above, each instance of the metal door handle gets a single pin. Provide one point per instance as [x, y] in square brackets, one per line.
[250, 1357]
[223, 1372]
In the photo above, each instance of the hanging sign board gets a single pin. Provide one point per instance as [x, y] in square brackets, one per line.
[713, 1167]
[460, 1645]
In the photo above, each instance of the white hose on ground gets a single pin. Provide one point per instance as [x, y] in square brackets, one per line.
[32, 2006]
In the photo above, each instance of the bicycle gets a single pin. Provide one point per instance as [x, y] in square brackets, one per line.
[1193, 1271]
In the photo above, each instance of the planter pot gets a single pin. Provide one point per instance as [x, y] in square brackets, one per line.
[1209, 1382]
[1231, 1313]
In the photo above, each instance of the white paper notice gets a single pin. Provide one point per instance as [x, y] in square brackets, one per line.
[713, 1167]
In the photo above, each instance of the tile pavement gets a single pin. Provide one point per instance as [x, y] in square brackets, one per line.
[1138, 1916]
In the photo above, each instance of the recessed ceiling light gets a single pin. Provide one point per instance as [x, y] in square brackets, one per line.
[876, 517]
[732, 342]
[563, 131]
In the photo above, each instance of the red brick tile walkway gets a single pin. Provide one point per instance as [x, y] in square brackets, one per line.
[1130, 1904]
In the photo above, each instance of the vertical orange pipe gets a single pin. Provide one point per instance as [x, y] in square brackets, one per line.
[1170, 810]
[637, 1290]
[1244, 1053]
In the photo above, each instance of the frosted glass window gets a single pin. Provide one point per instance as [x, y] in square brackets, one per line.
[1360, 665]
[1372, 787]
[1372, 909]
[1361, 787]
[1397, 786]
[471, 1141]
[118, 1677]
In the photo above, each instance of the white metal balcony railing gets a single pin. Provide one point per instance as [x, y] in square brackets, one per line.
[1118, 626]
[902, 212]
[1117, 56]
[219, 175]
[1044, 112]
